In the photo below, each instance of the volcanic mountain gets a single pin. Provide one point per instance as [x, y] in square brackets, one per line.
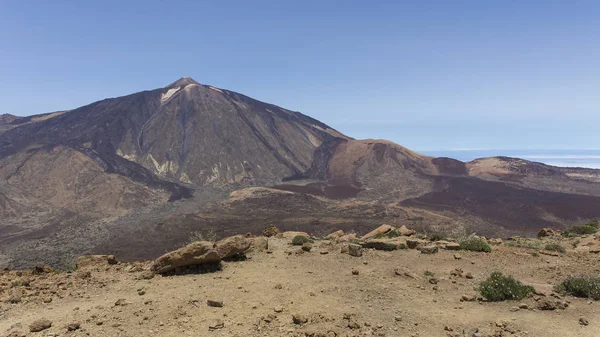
[137, 174]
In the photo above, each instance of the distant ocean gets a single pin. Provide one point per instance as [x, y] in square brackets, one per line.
[564, 158]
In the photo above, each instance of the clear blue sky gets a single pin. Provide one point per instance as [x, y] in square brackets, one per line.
[426, 74]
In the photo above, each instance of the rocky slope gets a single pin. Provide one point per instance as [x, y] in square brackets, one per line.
[324, 288]
[136, 175]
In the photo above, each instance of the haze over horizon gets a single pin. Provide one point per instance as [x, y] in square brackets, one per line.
[429, 76]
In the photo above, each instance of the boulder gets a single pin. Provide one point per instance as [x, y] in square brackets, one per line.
[199, 252]
[40, 325]
[545, 232]
[354, 250]
[270, 231]
[233, 246]
[382, 244]
[415, 243]
[405, 231]
[260, 243]
[347, 237]
[335, 235]
[95, 260]
[291, 235]
[429, 249]
[379, 230]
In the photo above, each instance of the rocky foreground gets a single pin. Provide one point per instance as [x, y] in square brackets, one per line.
[390, 282]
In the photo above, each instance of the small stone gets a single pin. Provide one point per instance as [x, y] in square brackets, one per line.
[352, 324]
[583, 321]
[278, 286]
[216, 325]
[468, 298]
[469, 275]
[299, 319]
[40, 325]
[307, 246]
[278, 309]
[141, 292]
[523, 306]
[514, 309]
[433, 280]
[355, 272]
[214, 303]
[73, 326]
[121, 302]
[457, 256]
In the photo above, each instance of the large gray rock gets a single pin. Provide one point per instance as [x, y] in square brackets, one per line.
[233, 246]
[200, 252]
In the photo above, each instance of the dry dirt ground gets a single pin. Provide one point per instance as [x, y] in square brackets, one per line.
[261, 295]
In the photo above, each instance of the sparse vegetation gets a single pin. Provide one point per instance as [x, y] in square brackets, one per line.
[526, 244]
[436, 237]
[555, 247]
[15, 284]
[498, 287]
[428, 273]
[581, 286]
[299, 240]
[585, 229]
[204, 235]
[575, 243]
[475, 244]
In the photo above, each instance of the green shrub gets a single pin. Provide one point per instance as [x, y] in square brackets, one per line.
[436, 237]
[393, 234]
[581, 286]
[498, 287]
[475, 244]
[555, 247]
[594, 223]
[428, 273]
[580, 230]
[299, 240]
